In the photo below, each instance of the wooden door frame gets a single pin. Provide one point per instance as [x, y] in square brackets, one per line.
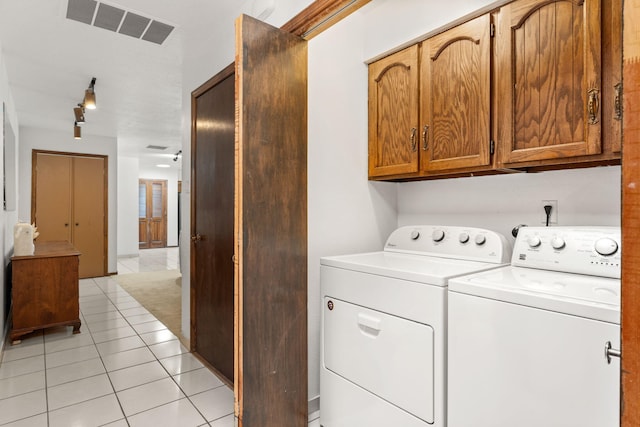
[630, 327]
[105, 192]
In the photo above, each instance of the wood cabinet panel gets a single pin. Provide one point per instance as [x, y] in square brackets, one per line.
[45, 289]
[393, 114]
[455, 97]
[532, 85]
[548, 63]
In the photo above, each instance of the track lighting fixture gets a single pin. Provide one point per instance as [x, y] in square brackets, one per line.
[88, 102]
[90, 96]
[79, 113]
[77, 131]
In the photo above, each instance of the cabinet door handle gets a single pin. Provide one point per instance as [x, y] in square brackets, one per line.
[425, 137]
[617, 102]
[196, 238]
[610, 352]
[77, 224]
[413, 139]
[593, 105]
[66, 224]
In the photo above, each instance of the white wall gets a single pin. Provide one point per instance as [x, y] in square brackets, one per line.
[42, 139]
[347, 213]
[128, 169]
[585, 197]
[7, 219]
[171, 175]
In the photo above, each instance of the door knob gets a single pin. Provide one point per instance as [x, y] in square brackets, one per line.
[610, 352]
[196, 238]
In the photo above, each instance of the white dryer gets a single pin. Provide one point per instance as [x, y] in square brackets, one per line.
[384, 325]
[535, 343]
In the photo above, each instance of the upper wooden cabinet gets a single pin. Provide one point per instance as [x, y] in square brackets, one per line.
[455, 98]
[393, 114]
[532, 85]
[548, 59]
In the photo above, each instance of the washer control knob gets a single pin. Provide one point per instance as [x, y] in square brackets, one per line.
[415, 234]
[606, 246]
[437, 235]
[534, 241]
[480, 239]
[463, 237]
[558, 243]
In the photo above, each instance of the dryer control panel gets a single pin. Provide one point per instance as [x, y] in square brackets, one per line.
[584, 250]
[475, 244]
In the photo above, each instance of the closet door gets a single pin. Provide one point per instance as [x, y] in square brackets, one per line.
[52, 193]
[89, 231]
[69, 203]
[271, 226]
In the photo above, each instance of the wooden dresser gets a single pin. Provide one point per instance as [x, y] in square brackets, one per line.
[45, 289]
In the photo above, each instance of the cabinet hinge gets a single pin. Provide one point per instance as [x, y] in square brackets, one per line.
[492, 146]
[492, 29]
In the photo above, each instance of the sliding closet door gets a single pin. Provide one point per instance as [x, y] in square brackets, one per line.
[271, 226]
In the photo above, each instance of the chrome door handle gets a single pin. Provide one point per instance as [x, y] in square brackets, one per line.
[610, 352]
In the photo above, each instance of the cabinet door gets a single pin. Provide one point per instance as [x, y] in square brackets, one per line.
[455, 97]
[393, 114]
[548, 96]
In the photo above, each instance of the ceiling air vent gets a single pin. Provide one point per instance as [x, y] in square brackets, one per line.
[156, 147]
[117, 19]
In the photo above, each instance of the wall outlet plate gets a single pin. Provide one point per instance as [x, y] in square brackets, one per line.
[553, 219]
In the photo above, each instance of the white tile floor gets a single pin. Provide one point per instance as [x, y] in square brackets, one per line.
[124, 368]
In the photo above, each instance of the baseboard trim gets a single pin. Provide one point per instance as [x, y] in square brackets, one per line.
[5, 333]
[314, 408]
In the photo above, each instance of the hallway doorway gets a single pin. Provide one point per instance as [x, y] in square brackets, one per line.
[152, 213]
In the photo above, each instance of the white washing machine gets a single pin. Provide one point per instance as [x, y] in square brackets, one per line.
[535, 343]
[384, 325]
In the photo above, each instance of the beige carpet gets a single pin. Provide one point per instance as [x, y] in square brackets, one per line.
[160, 292]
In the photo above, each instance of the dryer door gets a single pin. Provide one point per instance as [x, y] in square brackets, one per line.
[389, 356]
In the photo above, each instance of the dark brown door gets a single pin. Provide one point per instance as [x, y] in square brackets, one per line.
[152, 213]
[212, 223]
[271, 227]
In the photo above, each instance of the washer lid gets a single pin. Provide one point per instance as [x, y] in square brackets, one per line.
[592, 297]
[418, 268]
